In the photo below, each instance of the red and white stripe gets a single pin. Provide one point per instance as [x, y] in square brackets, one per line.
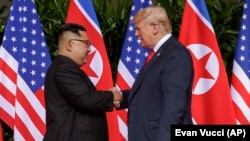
[240, 92]
[20, 108]
[124, 81]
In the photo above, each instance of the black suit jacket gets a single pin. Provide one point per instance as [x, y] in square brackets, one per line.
[74, 109]
[161, 94]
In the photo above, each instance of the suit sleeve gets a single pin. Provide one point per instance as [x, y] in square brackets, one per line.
[124, 103]
[79, 92]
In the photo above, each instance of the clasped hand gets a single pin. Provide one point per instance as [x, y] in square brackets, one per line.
[117, 96]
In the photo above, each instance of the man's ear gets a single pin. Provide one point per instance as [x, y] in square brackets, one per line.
[68, 46]
[156, 29]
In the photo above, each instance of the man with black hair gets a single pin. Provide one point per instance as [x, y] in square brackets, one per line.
[75, 110]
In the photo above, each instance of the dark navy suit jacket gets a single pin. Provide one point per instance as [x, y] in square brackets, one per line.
[161, 94]
[75, 110]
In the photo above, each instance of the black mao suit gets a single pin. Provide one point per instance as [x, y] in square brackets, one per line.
[75, 111]
[161, 94]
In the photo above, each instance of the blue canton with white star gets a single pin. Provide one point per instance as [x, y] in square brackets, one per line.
[133, 55]
[242, 53]
[25, 41]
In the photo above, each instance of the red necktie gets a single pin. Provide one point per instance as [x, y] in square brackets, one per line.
[151, 54]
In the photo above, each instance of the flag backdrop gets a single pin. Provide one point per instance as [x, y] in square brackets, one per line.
[132, 59]
[24, 59]
[98, 67]
[211, 99]
[240, 84]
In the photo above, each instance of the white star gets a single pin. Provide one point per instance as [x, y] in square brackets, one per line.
[14, 49]
[24, 19]
[245, 6]
[43, 64]
[42, 34]
[128, 59]
[131, 17]
[33, 42]
[137, 61]
[129, 49]
[13, 39]
[243, 38]
[244, 27]
[136, 70]
[11, 8]
[33, 72]
[138, 41]
[24, 8]
[130, 39]
[4, 38]
[242, 58]
[34, 11]
[42, 74]
[150, 2]
[244, 16]
[13, 29]
[23, 70]
[12, 18]
[24, 29]
[131, 28]
[33, 82]
[43, 54]
[33, 62]
[33, 32]
[242, 48]
[142, 1]
[24, 50]
[33, 52]
[33, 21]
[20, 9]
[43, 44]
[20, 19]
[24, 39]
[133, 8]
[24, 60]
[138, 51]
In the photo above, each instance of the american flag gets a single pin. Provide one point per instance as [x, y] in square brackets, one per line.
[97, 68]
[211, 99]
[132, 59]
[24, 59]
[240, 84]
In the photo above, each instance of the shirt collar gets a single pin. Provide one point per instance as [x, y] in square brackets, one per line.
[161, 41]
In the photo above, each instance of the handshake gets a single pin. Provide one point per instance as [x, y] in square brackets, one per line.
[117, 96]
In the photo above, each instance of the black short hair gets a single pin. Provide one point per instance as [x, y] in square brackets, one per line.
[73, 27]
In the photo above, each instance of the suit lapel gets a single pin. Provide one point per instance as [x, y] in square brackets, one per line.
[146, 68]
[142, 73]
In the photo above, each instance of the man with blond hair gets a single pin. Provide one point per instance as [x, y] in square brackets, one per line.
[161, 94]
